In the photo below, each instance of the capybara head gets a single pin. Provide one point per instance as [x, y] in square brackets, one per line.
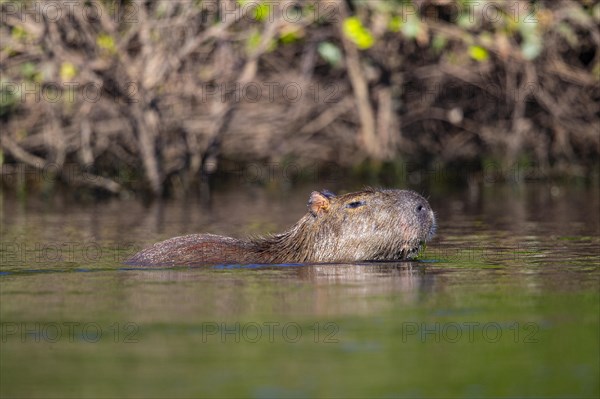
[366, 225]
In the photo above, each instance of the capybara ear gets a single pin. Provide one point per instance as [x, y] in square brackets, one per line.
[327, 193]
[318, 203]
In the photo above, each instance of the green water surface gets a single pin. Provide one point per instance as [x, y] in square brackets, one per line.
[504, 303]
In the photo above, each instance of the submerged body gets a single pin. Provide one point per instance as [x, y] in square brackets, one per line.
[366, 225]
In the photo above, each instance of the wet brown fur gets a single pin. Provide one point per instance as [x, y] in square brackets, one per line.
[366, 225]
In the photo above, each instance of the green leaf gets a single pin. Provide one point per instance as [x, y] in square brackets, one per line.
[466, 20]
[30, 72]
[395, 24]
[288, 37]
[67, 71]
[106, 42]
[357, 33]
[478, 53]
[531, 48]
[18, 33]
[261, 12]
[330, 53]
[253, 41]
[291, 35]
[412, 27]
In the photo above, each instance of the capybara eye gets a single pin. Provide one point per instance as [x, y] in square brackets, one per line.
[355, 204]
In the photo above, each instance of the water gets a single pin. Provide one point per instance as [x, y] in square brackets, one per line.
[504, 302]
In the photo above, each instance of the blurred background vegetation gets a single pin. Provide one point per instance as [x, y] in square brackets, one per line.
[155, 97]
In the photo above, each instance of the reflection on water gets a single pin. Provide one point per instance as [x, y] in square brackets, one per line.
[330, 289]
[517, 260]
